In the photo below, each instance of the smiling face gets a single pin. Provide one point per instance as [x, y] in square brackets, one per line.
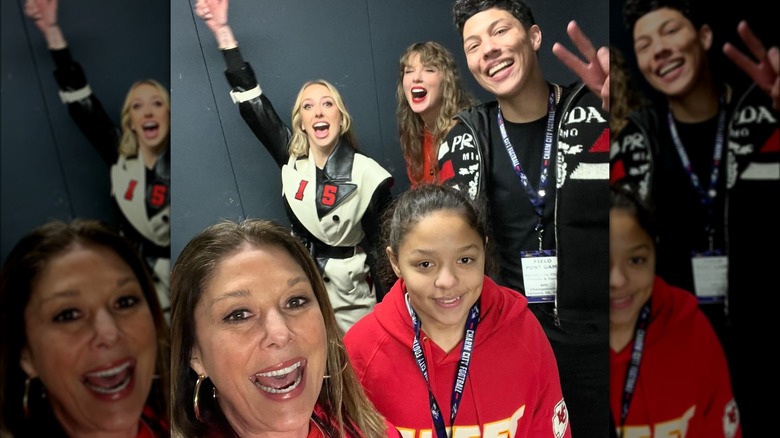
[320, 117]
[501, 54]
[670, 52]
[261, 340]
[631, 269]
[91, 340]
[150, 116]
[442, 261]
[422, 87]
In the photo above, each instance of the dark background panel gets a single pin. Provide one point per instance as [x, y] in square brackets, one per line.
[49, 170]
[220, 170]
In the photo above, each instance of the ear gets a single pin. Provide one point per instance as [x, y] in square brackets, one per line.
[393, 261]
[535, 34]
[25, 361]
[195, 362]
[705, 36]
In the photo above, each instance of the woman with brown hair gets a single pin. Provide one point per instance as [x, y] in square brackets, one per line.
[85, 346]
[256, 348]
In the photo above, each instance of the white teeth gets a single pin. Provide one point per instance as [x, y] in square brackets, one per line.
[110, 372]
[150, 125]
[669, 67]
[281, 390]
[321, 125]
[450, 300]
[498, 67]
[113, 390]
[282, 372]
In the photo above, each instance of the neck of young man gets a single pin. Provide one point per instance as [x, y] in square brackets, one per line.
[697, 105]
[528, 103]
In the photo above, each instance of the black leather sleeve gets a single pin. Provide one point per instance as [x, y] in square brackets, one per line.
[258, 113]
[371, 223]
[88, 113]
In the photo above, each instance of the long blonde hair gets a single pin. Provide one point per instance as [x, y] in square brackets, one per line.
[128, 144]
[455, 98]
[299, 143]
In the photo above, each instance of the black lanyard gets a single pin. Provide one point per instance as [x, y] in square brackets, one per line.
[632, 373]
[463, 368]
[535, 196]
[707, 198]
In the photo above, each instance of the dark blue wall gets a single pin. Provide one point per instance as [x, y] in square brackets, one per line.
[47, 168]
[220, 170]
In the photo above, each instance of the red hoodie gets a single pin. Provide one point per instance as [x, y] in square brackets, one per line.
[512, 388]
[683, 388]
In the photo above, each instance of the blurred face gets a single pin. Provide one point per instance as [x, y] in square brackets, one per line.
[442, 262]
[500, 53]
[261, 339]
[671, 53]
[320, 118]
[422, 87]
[91, 340]
[631, 269]
[149, 116]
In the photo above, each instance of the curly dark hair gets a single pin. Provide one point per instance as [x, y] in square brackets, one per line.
[633, 10]
[462, 10]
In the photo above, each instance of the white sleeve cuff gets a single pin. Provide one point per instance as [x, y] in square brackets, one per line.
[75, 96]
[243, 96]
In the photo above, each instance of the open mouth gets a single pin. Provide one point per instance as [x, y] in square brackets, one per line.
[665, 69]
[281, 381]
[449, 302]
[151, 129]
[418, 94]
[500, 66]
[110, 380]
[321, 129]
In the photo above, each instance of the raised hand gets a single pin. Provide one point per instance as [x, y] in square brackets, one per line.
[766, 72]
[214, 14]
[595, 72]
[43, 12]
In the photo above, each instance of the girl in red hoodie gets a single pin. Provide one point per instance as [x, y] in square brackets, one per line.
[448, 350]
[668, 372]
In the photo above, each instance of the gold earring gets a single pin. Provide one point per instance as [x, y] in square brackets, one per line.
[195, 406]
[26, 398]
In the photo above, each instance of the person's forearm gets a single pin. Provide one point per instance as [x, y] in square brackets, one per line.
[225, 38]
[54, 38]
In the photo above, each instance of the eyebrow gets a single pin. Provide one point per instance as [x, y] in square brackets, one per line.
[661, 26]
[242, 293]
[489, 28]
[432, 252]
[70, 293]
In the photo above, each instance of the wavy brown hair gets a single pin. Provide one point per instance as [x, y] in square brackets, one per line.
[24, 265]
[455, 98]
[348, 410]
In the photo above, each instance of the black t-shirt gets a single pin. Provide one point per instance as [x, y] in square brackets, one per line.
[510, 205]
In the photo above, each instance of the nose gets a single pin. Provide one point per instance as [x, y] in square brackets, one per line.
[660, 48]
[276, 330]
[617, 278]
[489, 49]
[446, 278]
[107, 331]
[417, 75]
